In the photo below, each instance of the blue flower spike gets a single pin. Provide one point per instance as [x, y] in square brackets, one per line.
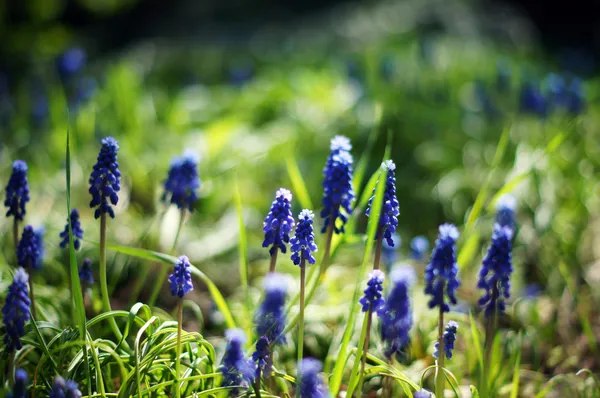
[182, 183]
[373, 299]
[270, 317]
[505, 211]
[180, 281]
[20, 386]
[17, 191]
[418, 247]
[279, 222]
[235, 368]
[338, 193]
[396, 316]
[303, 243]
[311, 382]
[441, 274]
[30, 249]
[388, 219]
[449, 339]
[62, 388]
[105, 180]
[495, 272]
[262, 358]
[86, 275]
[77, 231]
[15, 312]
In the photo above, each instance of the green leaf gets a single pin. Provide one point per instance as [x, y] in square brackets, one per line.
[243, 259]
[298, 184]
[514, 391]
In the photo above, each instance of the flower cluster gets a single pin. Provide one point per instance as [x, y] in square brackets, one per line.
[62, 388]
[77, 231]
[105, 179]
[30, 249]
[311, 383]
[279, 222]
[388, 220]
[86, 275]
[235, 368]
[505, 211]
[17, 191]
[182, 182]
[441, 274]
[181, 278]
[418, 247]
[449, 339]
[262, 357]
[15, 312]
[395, 316]
[338, 193]
[372, 298]
[303, 243]
[270, 318]
[422, 393]
[20, 386]
[495, 272]
[70, 62]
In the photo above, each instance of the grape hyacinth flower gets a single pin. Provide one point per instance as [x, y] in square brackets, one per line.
[30, 249]
[20, 387]
[279, 222]
[441, 274]
[181, 278]
[15, 312]
[62, 388]
[262, 358]
[77, 231]
[494, 276]
[505, 211]
[105, 179]
[449, 339]
[86, 276]
[270, 318]
[17, 191]
[388, 220]
[372, 299]
[395, 316]
[182, 182]
[532, 100]
[338, 193]
[311, 383]
[422, 393]
[418, 246]
[235, 368]
[303, 243]
[70, 62]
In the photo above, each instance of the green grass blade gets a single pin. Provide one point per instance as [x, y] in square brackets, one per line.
[298, 184]
[243, 259]
[170, 260]
[76, 292]
[361, 165]
[514, 391]
[476, 341]
[338, 370]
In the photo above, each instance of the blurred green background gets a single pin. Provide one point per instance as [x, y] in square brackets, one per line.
[470, 104]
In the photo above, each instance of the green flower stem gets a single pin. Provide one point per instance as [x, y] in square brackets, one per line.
[440, 378]
[490, 332]
[16, 233]
[162, 273]
[301, 315]
[103, 282]
[273, 259]
[31, 294]
[178, 349]
[257, 385]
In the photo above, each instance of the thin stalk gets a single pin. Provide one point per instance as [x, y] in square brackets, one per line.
[178, 350]
[387, 381]
[32, 296]
[16, 233]
[162, 273]
[273, 259]
[440, 377]
[103, 281]
[257, 385]
[490, 331]
[10, 370]
[301, 315]
[378, 246]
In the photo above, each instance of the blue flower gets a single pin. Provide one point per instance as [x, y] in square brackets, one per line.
[64, 389]
[311, 383]
[532, 100]
[262, 358]
[20, 387]
[505, 211]
[70, 62]
[303, 243]
[30, 249]
[77, 231]
[395, 316]
[449, 339]
[86, 274]
[389, 252]
[105, 179]
[422, 393]
[388, 220]
[494, 276]
[17, 191]
[418, 246]
[372, 298]
[181, 278]
[338, 193]
[270, 317]
[235, 368]
[15, 312]
[182, 182]
[279, 222]
[441, 274]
